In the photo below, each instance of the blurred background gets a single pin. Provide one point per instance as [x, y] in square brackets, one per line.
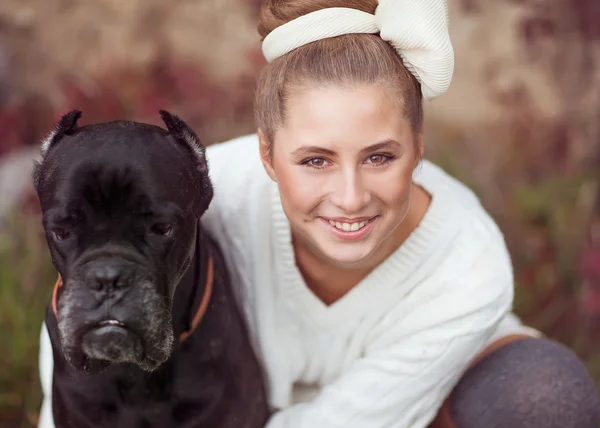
[520, 125]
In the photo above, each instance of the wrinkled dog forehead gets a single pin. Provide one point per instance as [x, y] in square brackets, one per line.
[174, 159]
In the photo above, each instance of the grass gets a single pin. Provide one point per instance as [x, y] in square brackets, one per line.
[26, 281]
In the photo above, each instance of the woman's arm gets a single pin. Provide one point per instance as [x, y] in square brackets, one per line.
[416, 358]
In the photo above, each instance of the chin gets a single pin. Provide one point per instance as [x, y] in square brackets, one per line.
[348, 254]
[94, 349]
[101, 348]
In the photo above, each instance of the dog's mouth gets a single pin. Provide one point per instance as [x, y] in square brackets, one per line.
[135, 329]
[111, 322]
[110, 340]
[111, 325]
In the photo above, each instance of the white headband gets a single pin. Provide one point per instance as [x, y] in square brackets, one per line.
[417, 29]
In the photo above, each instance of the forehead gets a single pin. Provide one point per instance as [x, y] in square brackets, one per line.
[343, 116]
[119, 165]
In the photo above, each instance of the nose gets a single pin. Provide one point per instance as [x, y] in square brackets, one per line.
[107, 274]
[350, 194]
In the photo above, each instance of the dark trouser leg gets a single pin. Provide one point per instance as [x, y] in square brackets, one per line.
[527, 383]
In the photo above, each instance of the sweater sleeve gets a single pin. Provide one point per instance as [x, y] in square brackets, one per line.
[417, 355]
[233, 167]
[46, 369]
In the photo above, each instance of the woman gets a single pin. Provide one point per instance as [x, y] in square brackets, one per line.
[377, 287]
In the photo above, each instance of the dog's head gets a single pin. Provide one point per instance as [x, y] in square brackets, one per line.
[120, 203]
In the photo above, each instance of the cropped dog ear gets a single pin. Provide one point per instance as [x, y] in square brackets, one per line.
[183, 133]
[66, 125]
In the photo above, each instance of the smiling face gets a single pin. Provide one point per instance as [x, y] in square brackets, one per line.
[343, 160]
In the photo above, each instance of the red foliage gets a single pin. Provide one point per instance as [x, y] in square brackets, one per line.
[99, 102]
[214, 111]
[24, 122]
[10, 137]
[590, 272]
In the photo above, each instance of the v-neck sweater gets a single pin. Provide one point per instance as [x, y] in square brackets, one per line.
[389, 351]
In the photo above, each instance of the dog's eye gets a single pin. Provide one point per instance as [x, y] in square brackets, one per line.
[60, 234]
[163, 229]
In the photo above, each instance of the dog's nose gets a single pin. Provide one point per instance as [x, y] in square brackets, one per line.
[107, 274]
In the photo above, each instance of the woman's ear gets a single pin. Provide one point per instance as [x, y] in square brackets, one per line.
[265, 155]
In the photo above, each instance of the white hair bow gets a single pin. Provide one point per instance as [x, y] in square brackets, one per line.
[417, 29]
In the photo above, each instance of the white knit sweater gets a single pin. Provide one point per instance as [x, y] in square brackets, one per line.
[388, 352]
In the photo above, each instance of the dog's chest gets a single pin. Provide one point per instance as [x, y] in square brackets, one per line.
[135, 399]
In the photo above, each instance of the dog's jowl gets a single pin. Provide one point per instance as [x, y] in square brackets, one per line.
[143, 322]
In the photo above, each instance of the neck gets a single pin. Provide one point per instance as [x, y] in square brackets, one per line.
[190, 289]
[318, 273]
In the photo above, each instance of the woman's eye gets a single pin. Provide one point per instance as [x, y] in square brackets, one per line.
[376, 159]
[379, 159]
[317, 162]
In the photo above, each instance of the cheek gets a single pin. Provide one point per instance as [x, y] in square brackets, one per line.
[393, 189]
[297, 189]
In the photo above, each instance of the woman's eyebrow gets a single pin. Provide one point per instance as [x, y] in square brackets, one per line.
[312, 150]
[388, 144]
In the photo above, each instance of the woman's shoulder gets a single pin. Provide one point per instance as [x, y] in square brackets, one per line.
[241, 186]
[438, 181]
[455, 195]
[235, 168]
[240, 155]
[244, 143]
[475, 235]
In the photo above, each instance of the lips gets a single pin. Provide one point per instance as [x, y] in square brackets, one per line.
[348, 226]
[111, 322]
[349, 229]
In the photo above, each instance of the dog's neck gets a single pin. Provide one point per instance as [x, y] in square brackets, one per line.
[191, 289]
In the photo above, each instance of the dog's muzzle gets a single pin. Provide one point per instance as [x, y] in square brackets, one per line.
[114, 314]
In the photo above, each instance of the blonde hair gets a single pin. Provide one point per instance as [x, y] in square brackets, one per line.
[350, 59]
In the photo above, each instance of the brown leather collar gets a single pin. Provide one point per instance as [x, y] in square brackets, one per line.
[208, 287]
[197, 317]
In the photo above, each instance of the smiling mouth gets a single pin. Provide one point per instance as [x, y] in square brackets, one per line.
[348, 227]
[350, 231]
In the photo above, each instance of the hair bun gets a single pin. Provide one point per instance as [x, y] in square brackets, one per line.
[274, 13]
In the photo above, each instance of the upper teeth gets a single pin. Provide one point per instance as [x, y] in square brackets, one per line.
[111, 322]
[348, 227]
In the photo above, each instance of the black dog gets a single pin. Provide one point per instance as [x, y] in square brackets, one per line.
[143, 321]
